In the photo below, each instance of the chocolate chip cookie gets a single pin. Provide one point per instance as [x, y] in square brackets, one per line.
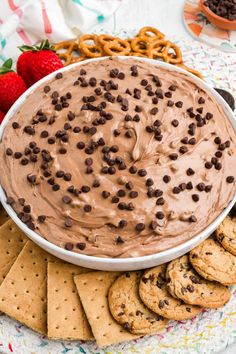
[185, 284]
[154, 294]
[127, 308]
[226, 234]
[213, 262]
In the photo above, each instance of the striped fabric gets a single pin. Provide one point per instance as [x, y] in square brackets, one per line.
[28, 21]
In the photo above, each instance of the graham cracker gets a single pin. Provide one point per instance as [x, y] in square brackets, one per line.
[12, 240]
[3, 216]
[66, 317]
[23, 293]
[93, 291]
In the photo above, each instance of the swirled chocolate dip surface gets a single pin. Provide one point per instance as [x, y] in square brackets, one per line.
[118, 159]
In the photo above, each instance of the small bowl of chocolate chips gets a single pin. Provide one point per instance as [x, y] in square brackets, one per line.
[222, 13]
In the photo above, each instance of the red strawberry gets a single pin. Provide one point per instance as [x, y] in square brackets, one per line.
[2, 115]
[36, 62]
[11, 86]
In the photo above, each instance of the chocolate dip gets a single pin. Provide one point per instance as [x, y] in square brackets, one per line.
[118, 159]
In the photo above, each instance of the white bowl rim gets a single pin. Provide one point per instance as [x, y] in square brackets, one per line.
[109, 260]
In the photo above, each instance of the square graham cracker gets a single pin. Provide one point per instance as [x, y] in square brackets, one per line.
[12, 240]
[93, 290]
[66, 317]
[23, 293]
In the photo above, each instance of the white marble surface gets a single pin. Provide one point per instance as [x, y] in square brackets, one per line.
[166, 15]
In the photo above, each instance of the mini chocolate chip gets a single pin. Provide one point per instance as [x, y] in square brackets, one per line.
[58, 75]
[29, 130]
[115, 199]
[149, 182]
[128, 134]
[17, 155]
[138, 109]
[140, 226]
[62, 151]
[41, 218]
[121, 193]
[192, 141]
[209, 116]
[129, 185]
[190, 288]
[133, 194]
[230, 179]
[190, 172]
[201, 100]
[9, 152]
[122, 206]
[87, 208]
[201, 187]
[80, 145]
[158, 193]
[66, 199]
[51, 140]
[119, 240]
[44, 134]
[114, 148]
[218, 166]
[85, 189]
[195, 197]
[56, 187]
[136, 118]
[106, 194]
[122, 223]
[189, 186]
[168, 94]
[179, 104]
[111, 170]
[133, 169]
[175, 123]
[81, 245]
[130, 206]
[166, 179]
[160, 201]
[68, 222]
[222, 147]
[183, 149]
[173, 156]
[160, 215]
[96, 183]
[208, 165]
[21, 201]
[208, 188]
[182, 186]
[142, 172]
[24, 162]
[15, 125]
[176, 190]
[218, 154]
[67, 177]
[154, 111]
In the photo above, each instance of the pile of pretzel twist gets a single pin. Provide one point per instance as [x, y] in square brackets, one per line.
[149, 43]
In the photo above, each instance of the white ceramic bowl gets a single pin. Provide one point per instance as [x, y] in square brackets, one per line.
[122, 264]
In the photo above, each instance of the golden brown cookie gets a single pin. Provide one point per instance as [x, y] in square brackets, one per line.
[226, 234]
[213, 262]
[154, 294]
[127, 308]
[185, 284]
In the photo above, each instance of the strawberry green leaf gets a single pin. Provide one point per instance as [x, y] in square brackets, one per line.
[44, 45]
[6, 68]
[8, 63]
